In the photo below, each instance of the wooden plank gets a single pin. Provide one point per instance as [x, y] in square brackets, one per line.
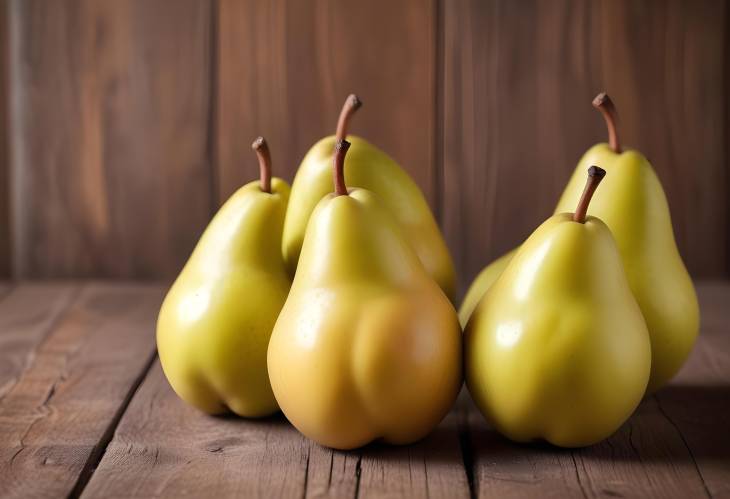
[28, 314]
[285, 68]
[57, 419]
[518, 79]
[4, 149]
[696, 403]
[163, 447]
[111, 174]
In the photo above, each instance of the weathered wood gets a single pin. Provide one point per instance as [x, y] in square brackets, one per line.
[518, 82]
[4, 149]
[285, 68]
[57, 419]
[165, 448]
[28, 314]
[111, 175]
[697, 403]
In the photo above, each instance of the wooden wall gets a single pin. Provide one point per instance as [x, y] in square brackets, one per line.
[129, 122]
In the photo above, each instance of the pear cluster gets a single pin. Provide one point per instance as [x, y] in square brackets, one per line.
[331, 300]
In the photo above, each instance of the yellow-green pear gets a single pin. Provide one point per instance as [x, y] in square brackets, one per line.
[481, 284]
[369, 168]
[557, 349]
[367, 345]
[633, 205]
[215, 323]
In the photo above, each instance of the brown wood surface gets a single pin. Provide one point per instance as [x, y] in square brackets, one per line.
[519, 78]
[111, 174]
[57, 418]
[285, 68]
[4, 142]
[89, 348]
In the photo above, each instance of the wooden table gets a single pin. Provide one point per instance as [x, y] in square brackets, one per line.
[85, 410]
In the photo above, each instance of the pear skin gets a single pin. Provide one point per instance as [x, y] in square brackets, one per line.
[367, 346]
[369, 168]
[557, 349]
[481, 284]
[215, 322]
[633, 205]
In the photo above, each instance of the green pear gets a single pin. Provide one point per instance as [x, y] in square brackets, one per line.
[215, 323]
[367, 345]
[481, 284]
[369, 168]
[633, 205]
[557, 349]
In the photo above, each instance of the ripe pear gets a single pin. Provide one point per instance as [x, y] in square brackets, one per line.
[633, 205]
[369, 168]
[214, 326]
[367, 345]
[557, 349]
[481, 284]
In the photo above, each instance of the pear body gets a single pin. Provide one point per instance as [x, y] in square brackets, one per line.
[215, 322]
[632, 203]
[481, 284]
[367, 345]
[557, 348]
[369, 168]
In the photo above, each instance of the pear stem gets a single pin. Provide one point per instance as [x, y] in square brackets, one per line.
[603, 103]
[595, 175]
[338, 171]
[262, 151]
[352, 104]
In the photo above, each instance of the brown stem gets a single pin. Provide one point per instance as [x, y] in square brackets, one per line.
[603, 103]
[262, 151]
[595, 175]
[338, 171]
[352, 104]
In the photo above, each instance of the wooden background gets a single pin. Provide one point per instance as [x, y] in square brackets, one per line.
[125, 124]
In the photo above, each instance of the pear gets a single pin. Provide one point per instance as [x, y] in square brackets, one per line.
[557, 349]
[372, 169]
[481, 284]
[633, 204]
[367, 345]
[215, 322]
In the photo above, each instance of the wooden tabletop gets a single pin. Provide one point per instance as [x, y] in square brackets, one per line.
[85, 410]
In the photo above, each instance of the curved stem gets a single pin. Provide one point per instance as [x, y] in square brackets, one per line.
[603, 103]
[338, 164]
[352, 104]
[595, 175]
[262, 151]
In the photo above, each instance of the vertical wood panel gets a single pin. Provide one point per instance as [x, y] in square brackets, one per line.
[518, 81]
[4, 150]
[111, 106]
[285, 69]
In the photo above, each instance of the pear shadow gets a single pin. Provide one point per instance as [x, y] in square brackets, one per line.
[678, 424]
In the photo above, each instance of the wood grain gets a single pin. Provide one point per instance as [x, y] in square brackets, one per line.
[28, 315]
[167, 448]
[518, 81]
[285, 68]
[111, 175]
[4, 142]
[56, 420]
